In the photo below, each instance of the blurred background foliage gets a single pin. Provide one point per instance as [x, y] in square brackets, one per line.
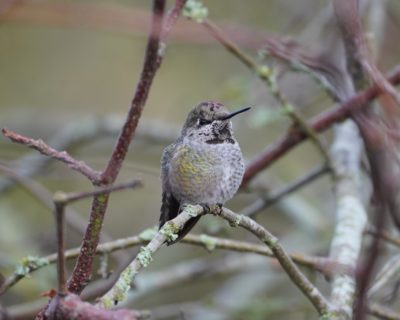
[69, 63]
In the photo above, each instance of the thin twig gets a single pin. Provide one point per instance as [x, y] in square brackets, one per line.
[62, 156]
[61, 266]
[387, 274]
[67, 198]
[382, 312]
[388, 237]
[277, 195]
[45, 197]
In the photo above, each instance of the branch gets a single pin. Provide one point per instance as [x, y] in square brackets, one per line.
[388, 274]
[152, 61]
[319, 123]
[387, 236]
[60, 225]
[62, 156]
[72, 218]
[277, 195]
[382, 312]
[71, 307]
[321, 264]
[309, 290]
[66, 198]
[351, 217]
[353, 33]
[167, 233]
[85, 130]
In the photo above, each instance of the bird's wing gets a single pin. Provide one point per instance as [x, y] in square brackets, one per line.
[170, 205]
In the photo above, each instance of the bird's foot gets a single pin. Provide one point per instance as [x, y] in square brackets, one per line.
[216, 209]
[205, 207]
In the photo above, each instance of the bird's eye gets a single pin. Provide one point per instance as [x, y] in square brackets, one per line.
[203, 122]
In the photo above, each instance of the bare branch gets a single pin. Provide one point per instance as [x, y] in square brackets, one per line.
[66, 198]
[277, 195]
[62, 156]
[382, 312]
[61, 267]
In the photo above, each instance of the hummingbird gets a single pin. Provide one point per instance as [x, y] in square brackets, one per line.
[204, 166]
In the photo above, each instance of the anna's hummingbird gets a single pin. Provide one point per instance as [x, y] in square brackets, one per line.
[203, 166]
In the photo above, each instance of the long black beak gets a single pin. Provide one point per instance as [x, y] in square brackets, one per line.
[235, 113]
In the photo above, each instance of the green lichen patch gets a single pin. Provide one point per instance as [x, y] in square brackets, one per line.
[121, 288]
[170, 231]
[195, 10]
[209, 242]
[145, 256]
[191, 210]
[29, 264]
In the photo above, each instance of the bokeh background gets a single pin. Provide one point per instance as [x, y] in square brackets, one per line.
[68, 73]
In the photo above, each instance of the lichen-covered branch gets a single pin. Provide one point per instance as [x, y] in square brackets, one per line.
[167, 233]
[31, 264]
[351, 217]
[299, 279]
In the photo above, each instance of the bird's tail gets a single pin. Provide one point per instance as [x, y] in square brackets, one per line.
[170, 208]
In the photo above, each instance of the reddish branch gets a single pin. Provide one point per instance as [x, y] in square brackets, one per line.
[62, 156]
[319, 123]
[353, 33]
[153, 59]
[72, 308]
[152, 62]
